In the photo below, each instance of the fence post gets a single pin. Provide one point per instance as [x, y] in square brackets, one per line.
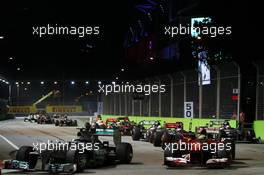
[104, 99]
[109, 105]
[149, 105]
[133, 112]
[257, 90]
[200, 100]
[159, 100]
[120, 106]
[200, 94]
[171, 95]
[218, 87]
[126, 104]
[239, 89]
[149, 100]
[114, 104]
[184, 87]
[140, 107]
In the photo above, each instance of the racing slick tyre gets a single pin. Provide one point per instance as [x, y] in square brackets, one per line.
[25, 120]
[251, 136]
[224, 154]
[164, 139]
[124, 153]
[79, 159]
[170, 151]
[157, 139]
[75, 123]
[23, 154]
[167, 153]
[136, 133]
[151, 136]
[233, 150]
[61, 123]
[57, 123]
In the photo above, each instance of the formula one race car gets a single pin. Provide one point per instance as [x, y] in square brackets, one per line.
[167, 129]
[31, 118]
[173, 132]
[211, 151]
[144, 129]
[125, 125]
[45, 119]
[243, 134]
[64, 121]
[110, 123]
[219, 129]
[84, 152]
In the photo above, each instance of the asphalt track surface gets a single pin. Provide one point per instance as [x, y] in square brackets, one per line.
[147, 159]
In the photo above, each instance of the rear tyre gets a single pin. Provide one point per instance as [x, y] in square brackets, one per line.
[124, 152]
[75, 123]
[151, 136]
[61, 123]
[157, 139]
[57, 123]
[136, 133]
[164, 139]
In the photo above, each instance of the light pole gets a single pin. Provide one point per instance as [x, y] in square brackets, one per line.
[18, 94]
[10, 94]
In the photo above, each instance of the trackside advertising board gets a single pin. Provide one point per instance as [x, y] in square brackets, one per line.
[64, 109]
[21, 109]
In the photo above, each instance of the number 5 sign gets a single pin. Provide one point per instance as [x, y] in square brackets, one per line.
[188, 109]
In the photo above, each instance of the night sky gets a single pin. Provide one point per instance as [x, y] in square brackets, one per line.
[59, 57]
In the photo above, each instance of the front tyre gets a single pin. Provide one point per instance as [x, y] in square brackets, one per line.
[79, 159]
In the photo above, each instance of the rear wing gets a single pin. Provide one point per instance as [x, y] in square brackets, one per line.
[148, 122]
[213, 130]
[104, 132]
[122, 119]
[115, 133]
[170, 125]
[173, 125]
[216, 122]
[114, 120]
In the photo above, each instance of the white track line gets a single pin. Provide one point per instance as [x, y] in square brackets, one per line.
[10, 143]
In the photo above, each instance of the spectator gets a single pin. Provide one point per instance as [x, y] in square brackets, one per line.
[242, 118]
[234, 116]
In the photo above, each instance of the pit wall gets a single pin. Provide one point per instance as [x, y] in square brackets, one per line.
[259, 128]
[186, 122]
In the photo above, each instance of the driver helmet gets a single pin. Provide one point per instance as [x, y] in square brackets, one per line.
[226, 124]
[87, 125]
[157, 124]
